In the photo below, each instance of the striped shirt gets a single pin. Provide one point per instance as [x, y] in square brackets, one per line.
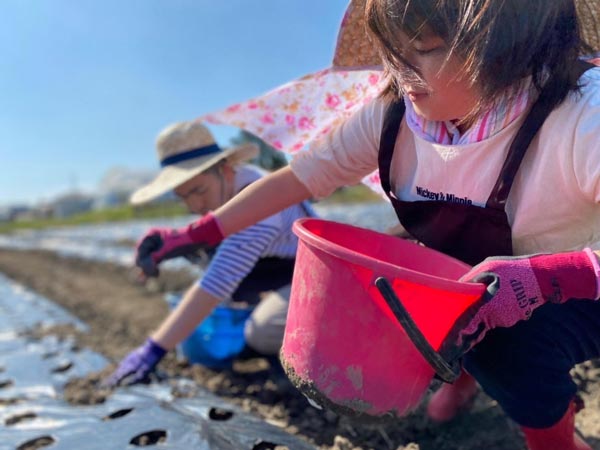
[236, 256]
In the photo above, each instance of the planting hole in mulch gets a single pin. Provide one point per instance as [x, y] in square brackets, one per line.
[12, 420]
[6, 383]
[219, 414]
[10, 401]
[39, 442]
[148, 438]
[264, 445]
[118, 414]
[63, 367]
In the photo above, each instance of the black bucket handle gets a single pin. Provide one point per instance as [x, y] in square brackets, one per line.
[446, 371]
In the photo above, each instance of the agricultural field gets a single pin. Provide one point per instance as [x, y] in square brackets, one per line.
[85, 270]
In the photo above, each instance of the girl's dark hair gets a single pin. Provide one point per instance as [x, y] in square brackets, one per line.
[500, 41]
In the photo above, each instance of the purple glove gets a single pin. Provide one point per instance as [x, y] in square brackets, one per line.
[518, 285]
[159, 244]
[137, 365]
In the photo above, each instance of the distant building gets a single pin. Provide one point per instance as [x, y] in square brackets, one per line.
[118, 183]
[110, 200]
[69, 204]
[13, 212]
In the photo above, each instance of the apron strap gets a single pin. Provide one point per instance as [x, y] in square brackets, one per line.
[549, 98]
[387, 141]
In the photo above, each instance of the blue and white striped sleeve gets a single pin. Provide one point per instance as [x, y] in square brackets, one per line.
[235, 259]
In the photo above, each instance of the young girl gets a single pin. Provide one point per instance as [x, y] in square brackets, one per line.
[486, 143]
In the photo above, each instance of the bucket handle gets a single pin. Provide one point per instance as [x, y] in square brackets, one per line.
[448, 372]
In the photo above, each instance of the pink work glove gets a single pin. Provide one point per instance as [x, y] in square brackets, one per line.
[518, 285]
[159, 244]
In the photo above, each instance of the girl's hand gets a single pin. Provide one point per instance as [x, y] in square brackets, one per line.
[518, 285]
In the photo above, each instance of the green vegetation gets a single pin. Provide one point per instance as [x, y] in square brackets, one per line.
[352, 194]
[116, 214]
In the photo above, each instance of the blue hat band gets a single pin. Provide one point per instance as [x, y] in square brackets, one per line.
[190, 154]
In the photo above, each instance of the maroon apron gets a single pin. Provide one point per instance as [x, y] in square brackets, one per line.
[467, 232]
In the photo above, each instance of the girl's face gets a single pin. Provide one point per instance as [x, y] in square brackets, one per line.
[444, 95]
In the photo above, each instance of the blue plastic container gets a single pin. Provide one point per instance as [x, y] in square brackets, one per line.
[218, 339]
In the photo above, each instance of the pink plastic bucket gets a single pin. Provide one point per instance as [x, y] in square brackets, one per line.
[344, 346]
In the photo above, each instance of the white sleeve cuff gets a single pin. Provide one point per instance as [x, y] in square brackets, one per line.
[596, 264]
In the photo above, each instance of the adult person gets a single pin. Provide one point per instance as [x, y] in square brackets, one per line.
[256, 260]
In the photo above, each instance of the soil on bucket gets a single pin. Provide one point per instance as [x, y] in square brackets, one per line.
[120, 315]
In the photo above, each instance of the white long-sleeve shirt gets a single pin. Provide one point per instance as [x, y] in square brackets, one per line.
[553, 204]
[236, 256]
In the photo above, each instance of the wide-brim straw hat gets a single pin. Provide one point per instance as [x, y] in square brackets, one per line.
[589, 16]
[186, 149]
[355, 50]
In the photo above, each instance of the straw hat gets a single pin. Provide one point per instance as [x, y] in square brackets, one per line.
[354, 49]
[186, 149]
[589, 16]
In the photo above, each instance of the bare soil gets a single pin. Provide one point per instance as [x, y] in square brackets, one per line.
[121, 313]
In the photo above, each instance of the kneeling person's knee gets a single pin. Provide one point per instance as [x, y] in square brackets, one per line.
[265, 327]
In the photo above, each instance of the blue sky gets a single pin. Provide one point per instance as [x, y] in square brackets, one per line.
[87, 84]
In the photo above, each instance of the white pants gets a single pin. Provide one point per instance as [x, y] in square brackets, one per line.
[264, 329]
